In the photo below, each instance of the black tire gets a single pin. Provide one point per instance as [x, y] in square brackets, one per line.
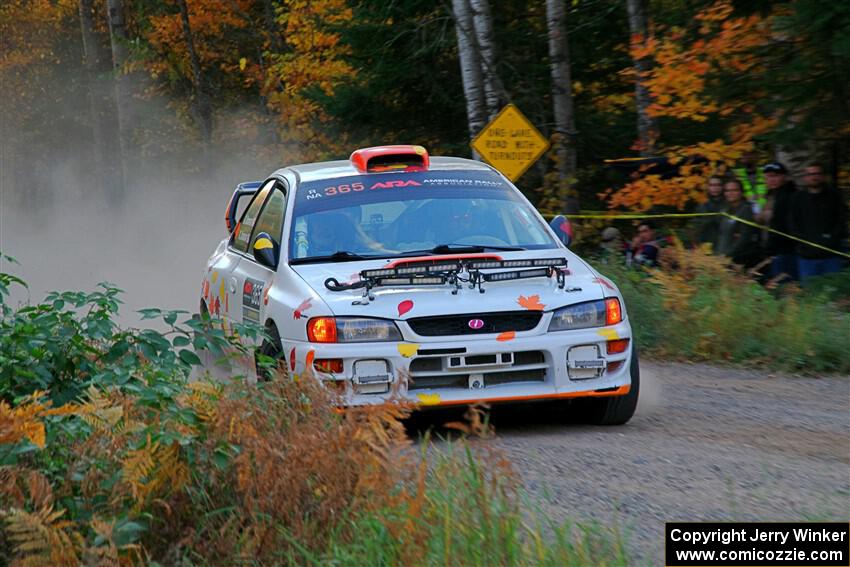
[271, 347]
[617, 410]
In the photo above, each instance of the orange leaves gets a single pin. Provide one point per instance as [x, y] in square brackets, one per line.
[531, 302]
[689, 71]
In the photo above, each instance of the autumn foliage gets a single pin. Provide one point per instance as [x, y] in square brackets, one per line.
[689, 83]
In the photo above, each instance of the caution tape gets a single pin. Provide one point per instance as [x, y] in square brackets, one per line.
[640, 216]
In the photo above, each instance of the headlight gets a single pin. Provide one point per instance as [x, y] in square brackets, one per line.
[585, 315]
[351, 330]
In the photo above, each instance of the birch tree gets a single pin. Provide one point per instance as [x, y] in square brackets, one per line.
[470, 67]
[122, 93]
[647, 127]
[486, 46]
[562, 93]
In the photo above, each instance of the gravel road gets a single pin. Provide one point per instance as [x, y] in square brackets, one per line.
[707, 443]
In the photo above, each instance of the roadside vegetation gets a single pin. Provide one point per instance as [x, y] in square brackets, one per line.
[111, 455]
[696, 306]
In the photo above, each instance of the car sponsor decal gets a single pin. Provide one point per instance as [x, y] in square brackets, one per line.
[610, 334]
[532, 302]
[506, 336]
[252, 292]
[407, 349]
[404, 307]
[299, 311]
[361, 187]
[429, 399]
[308, 361]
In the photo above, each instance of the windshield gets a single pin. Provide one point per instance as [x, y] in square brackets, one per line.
[399, 213]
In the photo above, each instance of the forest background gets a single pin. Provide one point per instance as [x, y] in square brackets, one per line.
[106, 89]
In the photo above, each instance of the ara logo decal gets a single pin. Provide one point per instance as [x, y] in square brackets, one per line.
[394, 183]
[475, 324]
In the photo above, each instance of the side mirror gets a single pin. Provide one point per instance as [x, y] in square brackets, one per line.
[266, 250]
[563, 229]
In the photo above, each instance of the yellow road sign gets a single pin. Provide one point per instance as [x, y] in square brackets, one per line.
[510, 143]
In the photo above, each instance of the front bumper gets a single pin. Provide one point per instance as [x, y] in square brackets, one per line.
[442, 371]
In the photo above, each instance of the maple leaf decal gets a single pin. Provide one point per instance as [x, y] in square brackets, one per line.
[531, 302]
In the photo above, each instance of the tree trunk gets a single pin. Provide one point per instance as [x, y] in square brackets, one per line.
[470, 68]
[201, 103]
[121, 90]
[483, 23]
[109, 165]
[647, 127]
[562, 94]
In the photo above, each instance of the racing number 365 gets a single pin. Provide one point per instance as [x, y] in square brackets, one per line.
[344, 188]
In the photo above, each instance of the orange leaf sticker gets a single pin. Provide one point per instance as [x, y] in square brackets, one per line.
[506, 336]
[309, 360]
[531, 302]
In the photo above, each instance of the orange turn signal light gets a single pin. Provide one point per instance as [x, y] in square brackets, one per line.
[613, 313]
[328, 365]
[618, 346]
[321, 330]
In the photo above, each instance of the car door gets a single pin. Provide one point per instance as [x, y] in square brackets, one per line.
[253, 279]
[224, 293]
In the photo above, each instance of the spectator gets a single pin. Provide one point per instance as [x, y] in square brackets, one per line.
[613, 246]
[752, 181]
[644, 248]
[818, 215]
[707, 228]
[736, 239]
[777, 215]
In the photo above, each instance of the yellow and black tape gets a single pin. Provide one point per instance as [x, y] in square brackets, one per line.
[642, 216]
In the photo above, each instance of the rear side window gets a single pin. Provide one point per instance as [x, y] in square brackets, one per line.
[271, 219]
[242, 234]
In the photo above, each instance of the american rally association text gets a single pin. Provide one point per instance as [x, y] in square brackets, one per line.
[756, 534]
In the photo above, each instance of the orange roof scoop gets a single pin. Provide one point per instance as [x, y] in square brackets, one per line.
[390, 158]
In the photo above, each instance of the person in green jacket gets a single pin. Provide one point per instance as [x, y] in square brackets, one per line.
[753, 181]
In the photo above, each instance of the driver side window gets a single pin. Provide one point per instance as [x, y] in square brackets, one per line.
[271, 218]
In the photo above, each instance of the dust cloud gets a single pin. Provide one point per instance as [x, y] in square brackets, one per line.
[152, 240]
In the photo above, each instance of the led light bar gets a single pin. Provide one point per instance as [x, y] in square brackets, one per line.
[445, 267]
[550, 262]
[515, 275]
[377, 273]
[411, 270]
[435, 280]
[492, 264]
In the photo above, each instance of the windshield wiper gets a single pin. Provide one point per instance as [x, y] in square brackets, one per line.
[340, 256]
[461, 249]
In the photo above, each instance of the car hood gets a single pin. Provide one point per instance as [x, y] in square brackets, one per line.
[582, 284]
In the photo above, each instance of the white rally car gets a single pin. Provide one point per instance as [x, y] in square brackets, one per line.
[433, 279]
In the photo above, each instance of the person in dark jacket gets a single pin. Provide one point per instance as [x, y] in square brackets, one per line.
[708, 228]
[818, 215]
[777, 215]
[736, 239]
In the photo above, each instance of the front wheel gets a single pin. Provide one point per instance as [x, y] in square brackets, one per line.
[617, 410]
[271, 347]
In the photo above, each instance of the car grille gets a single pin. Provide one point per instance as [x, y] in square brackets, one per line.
[460, 324]
[431, 372]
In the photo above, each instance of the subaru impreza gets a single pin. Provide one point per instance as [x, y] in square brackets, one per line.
[395, 274]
